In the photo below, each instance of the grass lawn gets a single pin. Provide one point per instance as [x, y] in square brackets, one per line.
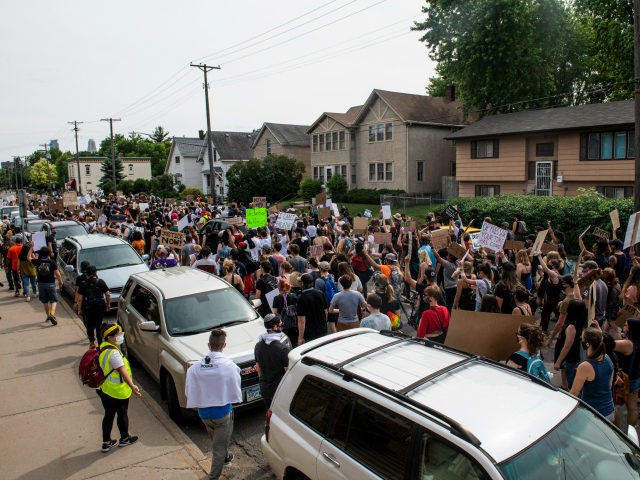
[416, 212]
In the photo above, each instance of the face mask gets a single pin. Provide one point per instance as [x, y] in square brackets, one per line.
[120, 339]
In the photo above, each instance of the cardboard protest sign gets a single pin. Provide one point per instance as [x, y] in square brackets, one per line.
[234, 220]
[256, 217]
[513, 245]
[321, 198]
[386, 211]
[360, 225]
[633, 232]
[451, 212]
[585, 281]
[488, 334]
[183, 223]
[142, 197]
[210, 200]
[456, 250]
[598, 232]
[316, 250]
[440, 239]
[409, 227]
[285, 220]
[539, 240]
[174, 239]
[381, 238]
[39, 240]
[615, 219]
[475, 238]
[492, 237]
[259, 202]
[59, 205]
[324, 212]
[626, 311]
[273, 210]
[189, 198]
[69, 199]
[170, 201]
[548, 247]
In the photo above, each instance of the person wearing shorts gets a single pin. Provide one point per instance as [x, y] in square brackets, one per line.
[47, 272]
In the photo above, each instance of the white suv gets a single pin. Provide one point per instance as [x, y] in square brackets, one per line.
[366, 405]
[167, 316]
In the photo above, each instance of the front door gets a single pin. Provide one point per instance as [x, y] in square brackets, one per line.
[544, 177]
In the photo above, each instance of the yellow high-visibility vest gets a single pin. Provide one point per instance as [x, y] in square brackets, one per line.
[114, 385]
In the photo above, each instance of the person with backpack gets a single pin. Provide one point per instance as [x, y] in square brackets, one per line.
[482, 283]
[47, 273]
[284, 305]
[265, 284]
[116, 389]
[272, 356]
[519, 228]
[531, 340]
[389, 269]
[93, 302]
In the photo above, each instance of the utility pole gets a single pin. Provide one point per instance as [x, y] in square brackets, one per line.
[212, 180]
[46, 157]
[75, 129]
[636, 90]
[113, 151]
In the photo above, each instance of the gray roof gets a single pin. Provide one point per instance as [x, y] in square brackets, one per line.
[551, 119]
[233, 145]
[189, 147]
[286, 134]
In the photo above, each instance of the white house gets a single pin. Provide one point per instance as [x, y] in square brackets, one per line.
[182, 163]
[90, 174]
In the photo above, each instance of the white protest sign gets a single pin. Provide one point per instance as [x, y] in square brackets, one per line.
[492, 237]
[328, 203]
[271, 295]
[143, 207]
[102, 220]
[633, 232]
[475, 236]
[82, 200]
[39, 240]
[367, 213]
[183, 223]
[285, 221]
[334, 207]
[386, 211]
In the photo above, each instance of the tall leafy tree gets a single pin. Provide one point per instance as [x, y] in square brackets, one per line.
[42, 173]
[159, 134]
[505, 55]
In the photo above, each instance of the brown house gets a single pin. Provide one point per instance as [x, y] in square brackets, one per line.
[284, 139]
[548, 152]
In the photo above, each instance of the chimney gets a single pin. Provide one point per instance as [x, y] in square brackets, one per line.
[449, 93]
[201, 134]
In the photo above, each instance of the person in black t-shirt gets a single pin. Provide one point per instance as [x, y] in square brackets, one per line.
[272, 357]
[93, 301]
[47, 272]
[311, 311]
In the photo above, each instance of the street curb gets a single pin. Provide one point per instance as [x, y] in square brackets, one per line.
[191, 448]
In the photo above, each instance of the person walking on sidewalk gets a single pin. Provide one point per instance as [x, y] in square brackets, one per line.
[48, 273]
[116, 389]
[13, 256]
[212, 386]
[27, 270]
[93, 302]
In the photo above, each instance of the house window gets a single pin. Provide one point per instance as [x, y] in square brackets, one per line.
[343, 171]
[341, 136]
[388, 131]
[484, 148]
[327, 139]
[380, 134]
[372, 172]
[372, 133]
[268, 146]
[380, 169]
[177, 159]
[329, 173]
[315, 143]
[315, 173]
[353, 176]
[487, 190]
[544, 149]
[334, 140]
[388, 172]
[130, 168]
[321, 174]
[321, 142]
[420, 172]
[607, 145]
[615, 192]
[87, 170]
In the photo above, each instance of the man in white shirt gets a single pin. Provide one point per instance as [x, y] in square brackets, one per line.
[213, 386]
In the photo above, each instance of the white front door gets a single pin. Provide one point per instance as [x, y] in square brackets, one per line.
[544, 178]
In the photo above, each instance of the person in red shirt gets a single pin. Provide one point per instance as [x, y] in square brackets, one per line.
[12, 256]
[435, 320]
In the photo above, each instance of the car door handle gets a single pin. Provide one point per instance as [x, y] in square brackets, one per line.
[126, 310]
[331, 458]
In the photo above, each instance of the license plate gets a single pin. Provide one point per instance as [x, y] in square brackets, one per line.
[253, 393]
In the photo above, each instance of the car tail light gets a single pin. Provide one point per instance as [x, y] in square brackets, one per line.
[267, 423]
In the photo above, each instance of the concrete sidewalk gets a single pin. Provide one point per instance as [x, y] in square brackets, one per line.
[50, 424]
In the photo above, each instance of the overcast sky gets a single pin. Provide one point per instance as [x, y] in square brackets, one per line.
[283, 61]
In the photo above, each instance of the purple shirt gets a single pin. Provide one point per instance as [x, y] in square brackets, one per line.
[164, 263]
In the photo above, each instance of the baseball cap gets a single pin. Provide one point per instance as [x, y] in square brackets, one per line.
[324, 266]
[391, 258]
[431, 274]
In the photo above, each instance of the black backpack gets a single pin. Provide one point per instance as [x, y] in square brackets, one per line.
[93, 295]
[44, 269]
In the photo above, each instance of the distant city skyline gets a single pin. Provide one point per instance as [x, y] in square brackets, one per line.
[54, 144]
[91, 146]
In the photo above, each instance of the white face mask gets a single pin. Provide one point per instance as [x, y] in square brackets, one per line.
[120, 339]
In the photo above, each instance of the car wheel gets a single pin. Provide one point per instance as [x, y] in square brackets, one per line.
[175, 412]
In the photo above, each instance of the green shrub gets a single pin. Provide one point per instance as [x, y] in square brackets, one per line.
[309, 188]
[196, 192]
[569, 215]
[368, 195]
[337, 188]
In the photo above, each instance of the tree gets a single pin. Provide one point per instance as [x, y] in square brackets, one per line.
[162, 185]
[107, 173]
[159, 135]
[275, 177]
[337, 187]
[43, 173]
[136, 146]
[309, 188]
[141, 185]
[506, 55]
[126, 187]
[196, 192]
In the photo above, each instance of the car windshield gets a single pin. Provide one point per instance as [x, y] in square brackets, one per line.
[201, 312]
[34, 227]
[64, 231]
[112, 256]
[581, 447]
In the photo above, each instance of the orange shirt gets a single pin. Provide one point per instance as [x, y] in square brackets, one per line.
[12, 255]
[138, 246]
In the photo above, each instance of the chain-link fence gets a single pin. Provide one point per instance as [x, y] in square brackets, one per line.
[402, 202]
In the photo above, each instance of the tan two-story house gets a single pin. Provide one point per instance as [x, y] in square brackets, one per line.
[549, 152]
[394, 141]
[283, 139]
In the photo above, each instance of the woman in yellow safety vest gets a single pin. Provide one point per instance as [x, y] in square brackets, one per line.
[116, 388]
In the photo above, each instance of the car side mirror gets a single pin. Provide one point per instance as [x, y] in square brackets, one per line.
[256, 302]
[69, 268]
[145, 257]
[149, 326]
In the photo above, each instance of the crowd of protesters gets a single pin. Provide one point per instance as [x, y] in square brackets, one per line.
[330, 277]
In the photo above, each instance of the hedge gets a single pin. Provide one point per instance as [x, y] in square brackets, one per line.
[570, 215]
[367, 195]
